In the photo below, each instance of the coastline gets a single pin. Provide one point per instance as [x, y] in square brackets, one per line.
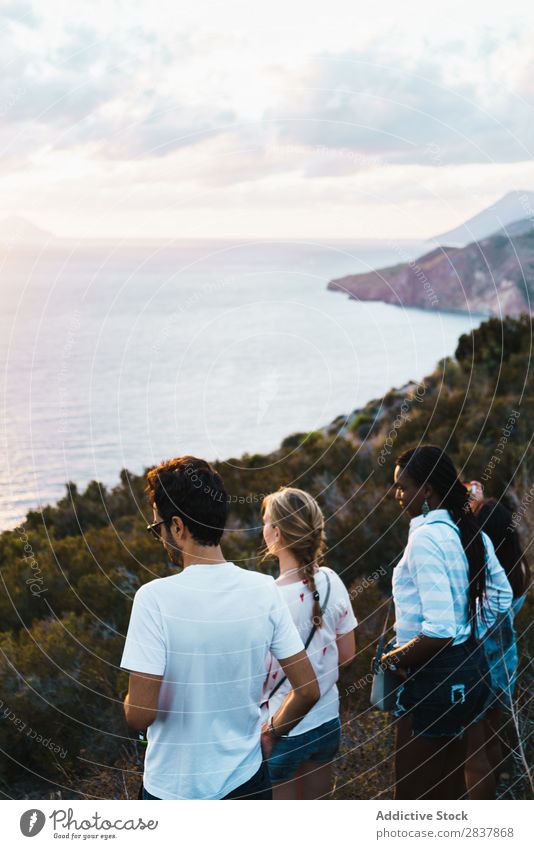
[326, 429]
[419, 307]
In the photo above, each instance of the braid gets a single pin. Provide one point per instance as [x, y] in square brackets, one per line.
[309, 570]
[301, 524]
[457, 503]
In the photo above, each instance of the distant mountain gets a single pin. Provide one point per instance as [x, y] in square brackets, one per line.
[20, 231]
[493, 276]
[514, 206]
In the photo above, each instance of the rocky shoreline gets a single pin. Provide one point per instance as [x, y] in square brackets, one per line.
[493, 277]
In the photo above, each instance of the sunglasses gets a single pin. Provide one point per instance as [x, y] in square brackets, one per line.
[153, 528]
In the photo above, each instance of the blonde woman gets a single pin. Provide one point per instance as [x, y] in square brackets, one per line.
[300, 763]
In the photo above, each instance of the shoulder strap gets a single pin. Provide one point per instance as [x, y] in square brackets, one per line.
[382, 638]
[457, 529]
[452, 525]
[310, 637]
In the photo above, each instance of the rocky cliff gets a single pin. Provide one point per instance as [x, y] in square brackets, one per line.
[494, 277]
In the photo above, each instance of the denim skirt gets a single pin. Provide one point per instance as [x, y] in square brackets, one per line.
[319, 745]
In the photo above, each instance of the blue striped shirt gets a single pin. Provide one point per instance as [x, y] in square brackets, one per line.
[431, 583]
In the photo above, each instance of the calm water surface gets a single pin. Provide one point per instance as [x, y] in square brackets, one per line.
[119, 357]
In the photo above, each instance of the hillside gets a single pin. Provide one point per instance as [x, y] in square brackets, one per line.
[19, 231]
[513, 206]
[85, 557]
[492, 277]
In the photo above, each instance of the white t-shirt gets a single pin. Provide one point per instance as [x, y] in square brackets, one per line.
[338, 619]
[206, 631]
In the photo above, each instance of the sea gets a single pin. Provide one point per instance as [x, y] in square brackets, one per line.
[119, 355]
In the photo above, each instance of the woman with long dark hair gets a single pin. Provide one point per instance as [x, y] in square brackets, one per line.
[500, 645]
[448, 574]
[497, 522]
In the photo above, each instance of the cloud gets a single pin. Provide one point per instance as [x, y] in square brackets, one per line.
[406, 111]
[19, 11]
[116, 94]
[125, 90]
[329, 125]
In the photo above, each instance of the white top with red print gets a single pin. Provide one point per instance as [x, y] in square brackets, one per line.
[338, 619]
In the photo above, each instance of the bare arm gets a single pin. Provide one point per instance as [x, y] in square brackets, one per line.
[141, 702]
[303, 696]
[298, 702]
[417, 651]
[346, 648]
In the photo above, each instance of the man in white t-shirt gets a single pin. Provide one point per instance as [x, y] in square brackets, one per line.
[196, 648]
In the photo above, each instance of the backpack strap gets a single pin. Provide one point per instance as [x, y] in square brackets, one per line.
[452, 525]
[308, 641]
[455, 527]
[382, 638]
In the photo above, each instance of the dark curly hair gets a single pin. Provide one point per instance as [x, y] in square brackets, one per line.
[496, 521]
[189, 488]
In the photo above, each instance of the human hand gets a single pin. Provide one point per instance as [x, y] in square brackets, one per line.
[388, 661]
[476, 493]
[266, 741]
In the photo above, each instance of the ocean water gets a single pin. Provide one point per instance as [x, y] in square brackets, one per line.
[118, 356]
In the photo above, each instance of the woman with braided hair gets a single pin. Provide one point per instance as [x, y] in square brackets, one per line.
[293, 530]
[447, 588]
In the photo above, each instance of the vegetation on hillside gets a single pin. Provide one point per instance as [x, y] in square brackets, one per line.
[69, 573]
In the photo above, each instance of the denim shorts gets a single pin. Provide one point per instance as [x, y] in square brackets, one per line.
[447, 693]
[319, 745]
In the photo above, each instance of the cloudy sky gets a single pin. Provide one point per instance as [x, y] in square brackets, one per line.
[282, 119]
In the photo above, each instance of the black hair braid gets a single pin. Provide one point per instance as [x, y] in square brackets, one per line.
[430, 464]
